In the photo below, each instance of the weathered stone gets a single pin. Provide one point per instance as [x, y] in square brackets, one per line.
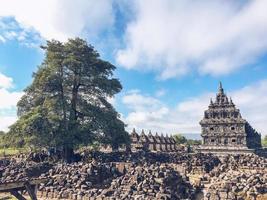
[224, 130]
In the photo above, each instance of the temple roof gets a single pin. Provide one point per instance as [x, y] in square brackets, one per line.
[222, 110]
[143, 136]
[163, 139]
[134, 136]
[151, 137]
[221, 97]
[157, 138]
[168, 139]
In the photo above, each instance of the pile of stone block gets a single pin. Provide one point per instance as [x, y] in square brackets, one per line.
[22, 171]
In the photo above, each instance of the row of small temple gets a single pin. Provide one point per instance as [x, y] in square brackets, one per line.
[152, 142]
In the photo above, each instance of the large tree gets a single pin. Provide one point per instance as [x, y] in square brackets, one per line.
[66, 105]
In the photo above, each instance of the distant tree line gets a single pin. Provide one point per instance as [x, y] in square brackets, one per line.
[180, 139]
[264, 141]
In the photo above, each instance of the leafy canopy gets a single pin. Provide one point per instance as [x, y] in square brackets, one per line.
[180, 139]
[66, 104]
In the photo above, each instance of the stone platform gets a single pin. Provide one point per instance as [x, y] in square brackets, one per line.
[225, 150]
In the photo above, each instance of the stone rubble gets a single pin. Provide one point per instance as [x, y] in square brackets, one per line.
[237, 185]
[104, 181]
[189, 161]
[21, 171]
[144, 175]
[238, 177]
[156, 181]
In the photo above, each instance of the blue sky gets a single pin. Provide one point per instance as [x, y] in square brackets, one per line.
[170, 55]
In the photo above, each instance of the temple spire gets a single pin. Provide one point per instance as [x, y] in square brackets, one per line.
[220, 88]
[143, 132]
[211, 102]
[231, 101]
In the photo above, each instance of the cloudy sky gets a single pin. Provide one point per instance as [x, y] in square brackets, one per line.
[170, 54]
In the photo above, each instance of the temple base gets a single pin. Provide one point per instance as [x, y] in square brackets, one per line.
[225, 150]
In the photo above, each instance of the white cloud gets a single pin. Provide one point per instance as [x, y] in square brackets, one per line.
[139, 102]
[60, 19]
[8, 102]
[252, 101]
[174, 37]
[112, 100]
[9, 99]
[160, 92]
[10, 29]
[6, 121]
[5, 82]
[2, 39]
[149, 113]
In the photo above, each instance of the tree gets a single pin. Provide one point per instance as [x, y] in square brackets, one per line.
[180, 139]
[66, 104]
[264, 141]
[2, 135]
[191, 142]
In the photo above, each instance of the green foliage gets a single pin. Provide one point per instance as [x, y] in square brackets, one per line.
[2, 142]
[180, 139]
[66, 104]
[193, 142]
[264, 141]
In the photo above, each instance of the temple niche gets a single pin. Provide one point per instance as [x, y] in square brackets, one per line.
[224, 130]
[149, 142]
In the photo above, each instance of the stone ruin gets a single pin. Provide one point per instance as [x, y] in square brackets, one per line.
[139, 175]
[156, 168]
[240, 177]
[225, 131]
[145, 175]
[150, 142]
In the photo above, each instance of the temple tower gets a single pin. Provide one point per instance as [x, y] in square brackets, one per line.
[224, 130]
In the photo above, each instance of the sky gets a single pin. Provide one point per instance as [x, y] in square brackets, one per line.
[170, 55]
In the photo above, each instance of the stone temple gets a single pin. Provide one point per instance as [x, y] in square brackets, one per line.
[154, 143]
[224, 130]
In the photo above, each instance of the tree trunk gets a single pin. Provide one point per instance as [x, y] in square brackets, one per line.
[68, 154]
[115, 147]
[74, 98]
[63, 99]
